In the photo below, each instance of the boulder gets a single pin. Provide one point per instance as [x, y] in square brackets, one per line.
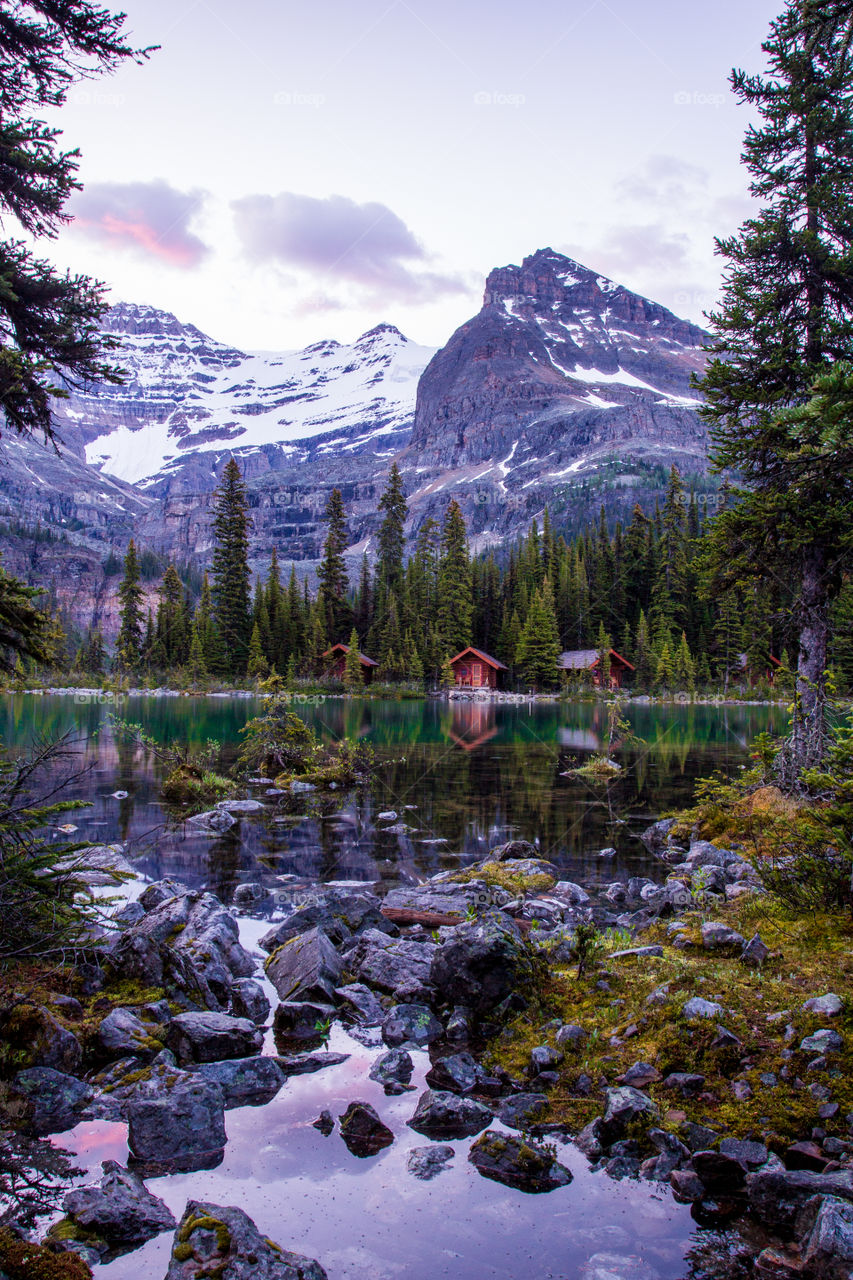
[241, 806]
[393, 1070]
[252, 896]
[301, 1020]
[513, 851]
[517, 1162]
[412, 1024]
[688, 1084]
[719, 937]
[213, 1240]
[481, 963]
[573, 893]
[521, 1110]
[119, 1210]
[187, 943]
[362, 1130]
[249, 1000]
[719, 1173]
[306, 968]
[704, 854]
[747, 1153]
[626, 1108]
[777, 1195]
[176, 1121]
[53, 1101]
[245, 1082]
[824, 1041]
[656, 837]
[755, 952]
[123, 1033]
[826, 1223]
[210, 1037]
[828, 1006]
[443, 1115]
[457, 1073]
[41, 1041]
[303, 1064]
[360, 1002]
[215, 822]
[340, 915]
[426, 1163]
[160, 891]
[696, 1007]
[389, 963]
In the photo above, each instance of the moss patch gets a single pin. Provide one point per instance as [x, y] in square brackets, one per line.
[500, 875]
[20, 1260]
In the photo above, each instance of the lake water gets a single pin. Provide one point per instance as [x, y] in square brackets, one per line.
[473, 774]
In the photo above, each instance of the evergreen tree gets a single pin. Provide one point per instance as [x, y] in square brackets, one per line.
[131, 596]
[455, 604]
[786, 318]
[171, 632]
[196, 669]
[257, 666]
[231, 577]
[52, 338]
[332, 572]
[603, 644]
[645, 660]
[353, 670]
[539, 645]
[392, 536]
[683, 667]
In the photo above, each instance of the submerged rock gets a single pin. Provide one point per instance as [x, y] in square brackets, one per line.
[426, 1163]
[517, 1162]
[120, 1210]
[393, 1070]
[245, 1082]
[223, 1242]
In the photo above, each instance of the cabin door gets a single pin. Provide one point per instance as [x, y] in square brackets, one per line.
[476, 674]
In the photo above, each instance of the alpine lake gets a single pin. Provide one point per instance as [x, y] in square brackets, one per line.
[461, 777]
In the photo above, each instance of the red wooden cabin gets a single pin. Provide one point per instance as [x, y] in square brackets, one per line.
[335, 660]
[590, 660]
[474, 669]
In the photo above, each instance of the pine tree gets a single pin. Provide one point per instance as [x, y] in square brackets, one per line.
[231, 577]
[683, 667]
[171, 630]
[196, 669]
[131, 596]
[447, 677]
[257, 666]
[332, 572]
[539, 645]
[392, 535]
[52, 339]
[353, 670]
[603, 644]
[664, 672]
[455, 604]
[645, 659]
[786, 318]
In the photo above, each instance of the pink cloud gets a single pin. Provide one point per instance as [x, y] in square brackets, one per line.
[149, 218]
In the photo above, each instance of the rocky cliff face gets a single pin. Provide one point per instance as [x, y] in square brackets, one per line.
[565, 390]
[561, 377]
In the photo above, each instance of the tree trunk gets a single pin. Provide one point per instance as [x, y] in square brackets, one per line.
[806, 744]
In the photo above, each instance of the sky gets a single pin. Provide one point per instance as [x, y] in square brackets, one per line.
[278, 173]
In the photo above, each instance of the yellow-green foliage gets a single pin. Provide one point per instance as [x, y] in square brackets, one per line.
[188, 787]
[810, 955]
[20, 1260]
[501, 875]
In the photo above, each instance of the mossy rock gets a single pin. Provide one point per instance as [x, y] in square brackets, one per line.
[21, 1260]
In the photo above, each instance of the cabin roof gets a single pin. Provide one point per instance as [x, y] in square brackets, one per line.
[344, 648]
[478, 653]
[586, 659]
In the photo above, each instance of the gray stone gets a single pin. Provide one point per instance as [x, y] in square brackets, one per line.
[572, 892]
[121, 1032]
[639, 1074]
[341, 915]
[688, 1084]
[513, 851]
[776, 1195]
[719, 937]
[215, 1240]
[161, 891]
[521, 1110]
[360, 998]
[325, 1123]
[480, 964]
[570, 1036]
[426, 1163]
[241, 806]
[544, 1058]
[393, 1070]
[303, 1064]
[750, 1154]
[458, 1073]
[590, 1140]
[249, 1000]
[696, 1007]
[386, 963]
[826, 1222]
[301, 1019]
[413, 1024]
[53, 1101]
[176, 1121]
[704, 854]
[363, 1131]
[828, 1006]
[625, 1106]
[209, 1037]
[718, 1172]
[41, 1041]
[306, 968]
[755, 952]
[656, 837]
[120, 1210]
[823, 1041]
[520, 1163]
[245, 1082]
[443, 1115]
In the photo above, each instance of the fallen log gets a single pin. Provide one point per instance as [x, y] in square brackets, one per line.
[433, 919]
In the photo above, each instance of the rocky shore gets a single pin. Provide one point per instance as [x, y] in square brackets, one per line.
[625, 1019]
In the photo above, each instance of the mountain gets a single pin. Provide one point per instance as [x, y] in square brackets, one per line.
[562, 381]
[566, 390]
[187, 400]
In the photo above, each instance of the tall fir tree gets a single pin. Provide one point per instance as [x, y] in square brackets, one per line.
[131, 596]
[332, 571]
[231, 577]
[455, 604]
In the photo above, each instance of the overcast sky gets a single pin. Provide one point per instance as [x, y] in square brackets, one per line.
[282, 172]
